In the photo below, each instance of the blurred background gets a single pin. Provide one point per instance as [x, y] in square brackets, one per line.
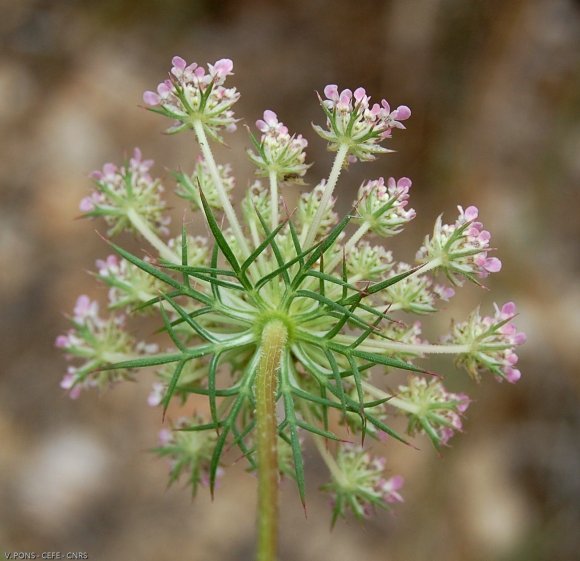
[495, 91]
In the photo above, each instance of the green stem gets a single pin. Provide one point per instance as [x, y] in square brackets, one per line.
[222, 194]
[377, 345]
[433, 264]
[274, 338]
[328, 190]
[143, 228]
[274, 198]
[393, 401]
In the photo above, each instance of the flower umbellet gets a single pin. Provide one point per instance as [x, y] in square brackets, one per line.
[281, 316]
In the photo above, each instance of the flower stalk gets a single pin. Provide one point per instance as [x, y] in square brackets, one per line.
[327, 194]
[143, 228]
[218, 184]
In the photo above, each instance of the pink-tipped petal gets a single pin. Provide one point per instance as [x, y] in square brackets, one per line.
[513, 375]
[331, 92]
[86, 205]
[270, 117]
[403, 113]
[508, 309]
[224, 66]
[493, 265]
[471, 213]
[520, 338]
[178, 62]
[61, 342]
[359, 94]
[151, 98]
[404, 182]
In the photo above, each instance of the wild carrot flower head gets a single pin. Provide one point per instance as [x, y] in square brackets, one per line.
[193, 92]
[129, 286]
[460, 249]
[277, 152]
[126, 190]
[491, 341]
[431, 409]
[414, 293]
[359, 484]
[96, 342]
[283, 318]
[353, 121]
[189, 452]
[382, 207]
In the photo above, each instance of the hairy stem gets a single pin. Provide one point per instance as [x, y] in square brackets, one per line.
[222, 194]
[377, 345]
[143, 228]
[274, 198]
[433, 264]
[393, 400]
[274, 337]
[328, 190]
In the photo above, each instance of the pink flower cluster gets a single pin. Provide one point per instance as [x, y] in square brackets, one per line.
[354, 121]
[129, 285]
[362, 486]
[192, 92]
[96, 342]
[431, 409]
[379, 115]
[121, 189]
[188, 452]
[383, 206]
[278, 151]
[493, 340]
[189, 75]
[460, 248]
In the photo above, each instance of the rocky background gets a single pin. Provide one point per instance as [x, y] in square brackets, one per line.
[494, 89]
